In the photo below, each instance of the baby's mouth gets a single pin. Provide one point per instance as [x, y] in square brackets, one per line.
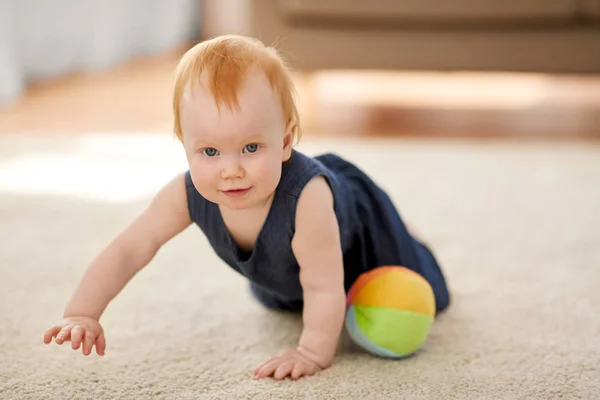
[237, 192]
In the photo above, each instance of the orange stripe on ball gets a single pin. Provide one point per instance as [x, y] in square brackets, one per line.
[394, 287]
[366, 278]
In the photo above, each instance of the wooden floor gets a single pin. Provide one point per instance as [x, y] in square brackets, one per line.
[136, 96]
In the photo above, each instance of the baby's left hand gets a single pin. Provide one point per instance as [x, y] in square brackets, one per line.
[291, 362]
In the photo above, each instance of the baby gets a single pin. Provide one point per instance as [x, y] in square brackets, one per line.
[301, 229]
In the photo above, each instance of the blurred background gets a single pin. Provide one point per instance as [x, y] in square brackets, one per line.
[428, 69]
[454, 68]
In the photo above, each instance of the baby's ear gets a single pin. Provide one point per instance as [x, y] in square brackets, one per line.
[288, 141]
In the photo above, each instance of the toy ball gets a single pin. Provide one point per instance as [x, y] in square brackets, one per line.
[390, 311]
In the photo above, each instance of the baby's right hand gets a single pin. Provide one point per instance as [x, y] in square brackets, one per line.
[80, 331]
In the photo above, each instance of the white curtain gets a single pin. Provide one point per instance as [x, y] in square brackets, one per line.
[42, 38]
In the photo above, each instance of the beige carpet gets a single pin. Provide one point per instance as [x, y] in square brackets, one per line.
[516, 226]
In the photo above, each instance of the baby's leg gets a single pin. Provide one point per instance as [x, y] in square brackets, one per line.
[273, 301]
[411, 253]
[431, 271]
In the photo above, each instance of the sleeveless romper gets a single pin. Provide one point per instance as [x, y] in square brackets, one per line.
[371, 231]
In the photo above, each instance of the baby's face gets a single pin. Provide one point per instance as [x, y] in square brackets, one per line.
[235, 156]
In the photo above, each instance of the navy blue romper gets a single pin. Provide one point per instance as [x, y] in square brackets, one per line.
[371, 231]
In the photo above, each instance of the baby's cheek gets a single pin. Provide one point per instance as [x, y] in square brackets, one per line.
[269, 175]
[203, 189]
[204, 183]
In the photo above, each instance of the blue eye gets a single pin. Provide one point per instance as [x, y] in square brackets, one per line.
[251, 148]
[210, 152]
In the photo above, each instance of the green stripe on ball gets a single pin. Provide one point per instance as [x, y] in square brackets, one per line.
[397, 332]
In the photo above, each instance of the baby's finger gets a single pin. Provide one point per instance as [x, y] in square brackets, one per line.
[283, 370]
[76, 335]
[50, 333]
[298, 371]
[88, 342]
[260, 367]
[269, 368]
[100, 344]
[64, 334]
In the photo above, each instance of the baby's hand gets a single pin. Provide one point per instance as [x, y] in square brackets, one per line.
[291, 362]
[78, 330]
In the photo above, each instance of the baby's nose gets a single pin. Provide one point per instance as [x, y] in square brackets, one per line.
[232, 169]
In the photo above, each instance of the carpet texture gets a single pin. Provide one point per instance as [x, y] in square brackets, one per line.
[516, 227]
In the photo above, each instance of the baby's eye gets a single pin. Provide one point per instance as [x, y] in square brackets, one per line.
[210, 152]
[251, 148]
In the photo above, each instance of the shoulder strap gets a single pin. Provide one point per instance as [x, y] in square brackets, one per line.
[198, 206]
[297, 173]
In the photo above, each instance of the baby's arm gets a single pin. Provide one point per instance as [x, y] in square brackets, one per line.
[318, 251]
[130, 251]
[125, 255]
[317, 248]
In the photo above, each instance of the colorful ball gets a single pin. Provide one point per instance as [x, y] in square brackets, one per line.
[390, 311]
